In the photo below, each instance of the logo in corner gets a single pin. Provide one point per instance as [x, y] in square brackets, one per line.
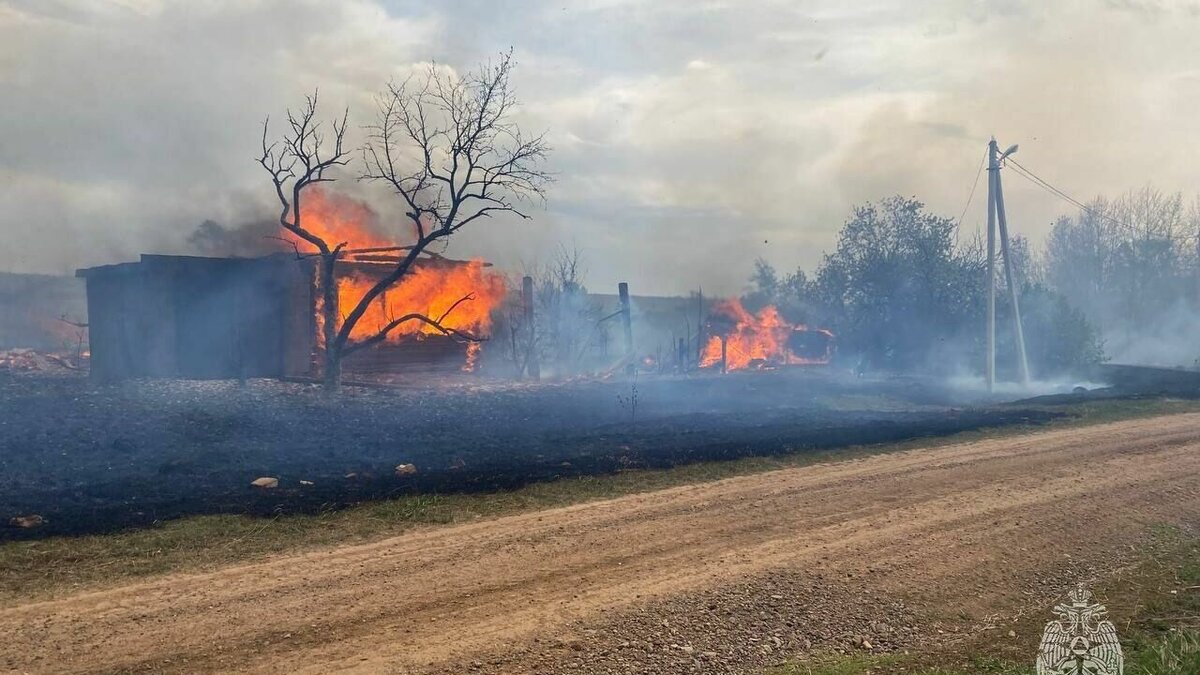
[1082, 641]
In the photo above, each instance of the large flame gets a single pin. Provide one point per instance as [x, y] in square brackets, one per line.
[430, 288]
[756, 340]
[337, 219]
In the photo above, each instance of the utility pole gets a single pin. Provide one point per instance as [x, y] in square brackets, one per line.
[1006, 248]
[993, 170]
[996, 213]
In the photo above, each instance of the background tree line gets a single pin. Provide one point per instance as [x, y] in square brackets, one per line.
[905, 291]
[1130, 265]
[1118, 280]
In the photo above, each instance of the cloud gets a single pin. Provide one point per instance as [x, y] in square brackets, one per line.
[127, 124]
[686, 134]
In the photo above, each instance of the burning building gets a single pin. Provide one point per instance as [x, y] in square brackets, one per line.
[739, 340]
[213, 318]
[433, 287]
[210, 318]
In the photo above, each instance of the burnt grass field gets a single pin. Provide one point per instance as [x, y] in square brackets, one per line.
[91, 458]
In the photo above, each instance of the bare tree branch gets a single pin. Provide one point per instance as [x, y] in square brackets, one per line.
[466, 158]
[447, 146]
[437, 324]
[301, 157]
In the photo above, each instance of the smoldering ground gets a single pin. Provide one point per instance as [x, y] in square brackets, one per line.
[91, 458]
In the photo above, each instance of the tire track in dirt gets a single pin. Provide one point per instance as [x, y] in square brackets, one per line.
[444, 595]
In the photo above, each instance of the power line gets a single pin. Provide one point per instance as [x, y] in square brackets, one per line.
[1044, 184]
[1039, 181]
[982, 161]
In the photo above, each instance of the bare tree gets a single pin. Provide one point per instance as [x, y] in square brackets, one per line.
[447, 146]
[519, 335]
[298, 160]
[568, 322]
[1130, 265]
[570, 318]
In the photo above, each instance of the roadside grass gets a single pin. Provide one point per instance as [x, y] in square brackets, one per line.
[879, 665]
[57, 565]
[872, 665]
[1164, 592]
[1175, 653]
[1155, 605]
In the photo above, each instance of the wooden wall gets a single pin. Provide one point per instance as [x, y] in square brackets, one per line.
[191, 317]
[221, 318]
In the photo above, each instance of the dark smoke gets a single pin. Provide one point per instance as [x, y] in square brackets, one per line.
[253, 238]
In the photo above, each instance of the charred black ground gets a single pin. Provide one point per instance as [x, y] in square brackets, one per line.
[91, 458]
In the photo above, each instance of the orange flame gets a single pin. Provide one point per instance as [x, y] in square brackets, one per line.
[430, 288]
[758, 340]
[336, 219]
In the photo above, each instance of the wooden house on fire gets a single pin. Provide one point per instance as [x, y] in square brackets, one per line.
[222, 318]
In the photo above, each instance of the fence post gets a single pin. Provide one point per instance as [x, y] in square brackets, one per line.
[533, 367]
[627, 324]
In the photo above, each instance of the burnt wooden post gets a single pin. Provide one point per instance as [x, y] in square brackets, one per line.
[627, 324]
[699, 325]
[724, 354]
[531, 357]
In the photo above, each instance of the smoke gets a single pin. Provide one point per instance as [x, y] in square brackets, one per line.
[688, 140]
[1130, 265]
[258, 237]
[129, 123]
[1168, 340]
[972, 387]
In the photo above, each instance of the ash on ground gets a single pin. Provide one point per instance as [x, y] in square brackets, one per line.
[89, 457]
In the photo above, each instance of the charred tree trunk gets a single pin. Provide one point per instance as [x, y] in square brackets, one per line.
[327, 286]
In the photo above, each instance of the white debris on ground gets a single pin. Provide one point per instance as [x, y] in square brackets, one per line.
[32, 361]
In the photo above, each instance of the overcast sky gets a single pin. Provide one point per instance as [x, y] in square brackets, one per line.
[689, 137]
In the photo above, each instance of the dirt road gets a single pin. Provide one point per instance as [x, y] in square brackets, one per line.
[968, 523]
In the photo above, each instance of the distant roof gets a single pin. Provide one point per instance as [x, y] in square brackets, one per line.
[354, 261]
